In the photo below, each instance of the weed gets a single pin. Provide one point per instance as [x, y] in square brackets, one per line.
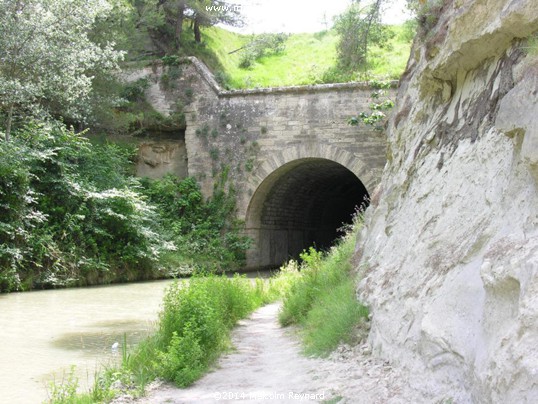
[202, 132]
[322, 297]
[376, 117]
[214, 153]
[189, 94]
[249, 165]
[171, 60]
[531, 47]
[222, 79]
[135, 90]
[195, 323]
[428, 14]
[64, 391]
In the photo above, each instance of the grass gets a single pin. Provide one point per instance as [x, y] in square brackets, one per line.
[391, 64]
[306, 59]
[322, 299]
[193, 330]
[197, 318]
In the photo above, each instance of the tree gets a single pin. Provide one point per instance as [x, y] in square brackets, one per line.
[47, 58]
[164, 20]
[206, 13]
[359, 28]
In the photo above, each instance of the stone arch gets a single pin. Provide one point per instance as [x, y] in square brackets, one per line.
[368, 176]
[302, 196]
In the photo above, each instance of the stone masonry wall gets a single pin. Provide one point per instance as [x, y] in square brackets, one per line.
[254, 132]
[251, 134]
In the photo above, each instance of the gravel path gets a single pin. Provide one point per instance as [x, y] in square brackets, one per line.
[267, 366]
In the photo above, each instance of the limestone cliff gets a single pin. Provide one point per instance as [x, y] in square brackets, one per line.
[450, 247]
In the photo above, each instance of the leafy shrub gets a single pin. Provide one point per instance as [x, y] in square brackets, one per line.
[376, 118]
[171, 60]
[205, 232]
[360, 27]
[246, 61]
[214, 153]
[67, 215]
[260, 46]
[223, 79]
[195, 323]
[65, 391]
[135, 91]
[194, 327]
[427, 13]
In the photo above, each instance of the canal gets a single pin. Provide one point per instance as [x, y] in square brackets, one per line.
[44, 333]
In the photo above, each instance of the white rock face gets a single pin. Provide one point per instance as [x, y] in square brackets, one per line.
[450, 247]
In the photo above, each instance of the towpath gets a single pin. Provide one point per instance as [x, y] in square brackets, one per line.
[267, 366]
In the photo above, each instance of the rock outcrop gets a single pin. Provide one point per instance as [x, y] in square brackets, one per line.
[450, 246]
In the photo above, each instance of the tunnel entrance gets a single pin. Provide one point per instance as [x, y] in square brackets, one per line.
[302, 203]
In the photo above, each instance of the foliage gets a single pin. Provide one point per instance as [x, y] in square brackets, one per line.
[67, 215]
[531, 45]
[380, 103]
[164, 21]
[120, 22]
[427, 13]
[321, 298]
[132, 114]
[72, 214]
[63, 392]
[48, 59]
[206, 233]
[262, 45]
[135, 90]
[359, 28]
[195, 323]
[409, 30]
[193, 330]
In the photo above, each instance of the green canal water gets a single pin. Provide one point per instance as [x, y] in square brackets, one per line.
[44, 333]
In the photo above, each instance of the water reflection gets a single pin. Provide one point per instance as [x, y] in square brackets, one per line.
[93, 342]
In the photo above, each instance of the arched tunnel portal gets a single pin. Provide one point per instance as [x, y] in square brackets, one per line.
[302, 203]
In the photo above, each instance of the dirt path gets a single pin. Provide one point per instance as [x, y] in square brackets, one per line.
[267, 366]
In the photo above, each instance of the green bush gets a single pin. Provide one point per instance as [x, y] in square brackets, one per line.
[67, 216]
[193, 330]
[205, 232]
[135, 91]
[262, 45]
[332, 318]
[194, 326]
[321, 297]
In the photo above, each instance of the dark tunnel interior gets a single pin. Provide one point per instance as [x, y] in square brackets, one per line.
[304, 203]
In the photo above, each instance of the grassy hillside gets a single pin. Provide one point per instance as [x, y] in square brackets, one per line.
[307, 59]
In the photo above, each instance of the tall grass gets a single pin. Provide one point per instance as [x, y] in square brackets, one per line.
[198, 315]
[322, 298]
[193, 330]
